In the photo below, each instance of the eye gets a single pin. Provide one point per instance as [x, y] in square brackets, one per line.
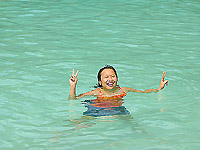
[113, 76]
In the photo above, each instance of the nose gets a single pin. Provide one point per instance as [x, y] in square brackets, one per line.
[110, 78]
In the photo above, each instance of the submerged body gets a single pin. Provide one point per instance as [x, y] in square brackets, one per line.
[106, 105]
[101, 111]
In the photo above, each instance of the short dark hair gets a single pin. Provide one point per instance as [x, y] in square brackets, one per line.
[100, 71]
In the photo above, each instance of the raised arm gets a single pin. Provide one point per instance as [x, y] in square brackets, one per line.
[73, 81]
[163, 82]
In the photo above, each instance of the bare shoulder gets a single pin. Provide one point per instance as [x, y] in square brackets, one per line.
[94, 92]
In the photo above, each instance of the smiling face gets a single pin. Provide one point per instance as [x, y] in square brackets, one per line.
[108, 79]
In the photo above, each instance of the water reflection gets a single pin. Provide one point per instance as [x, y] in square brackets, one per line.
[105, 108]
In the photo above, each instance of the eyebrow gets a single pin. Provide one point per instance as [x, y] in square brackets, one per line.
[108, 75]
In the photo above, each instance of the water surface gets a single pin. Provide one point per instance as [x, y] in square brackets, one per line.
[41, 42]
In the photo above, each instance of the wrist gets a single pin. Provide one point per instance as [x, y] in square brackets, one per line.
[72, 90]
[72, 86]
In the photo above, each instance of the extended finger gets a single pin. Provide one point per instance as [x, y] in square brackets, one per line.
[163, 76]
[77, 73]
[73, 72]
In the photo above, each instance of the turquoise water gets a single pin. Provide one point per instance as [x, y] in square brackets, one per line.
[41, 42]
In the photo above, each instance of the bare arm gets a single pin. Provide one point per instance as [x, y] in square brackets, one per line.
[73, 81]
[90, 93]
[127, 89]
[163, 82]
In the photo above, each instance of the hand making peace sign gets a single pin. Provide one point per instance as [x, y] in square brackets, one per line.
[73, 80]
[163, 82]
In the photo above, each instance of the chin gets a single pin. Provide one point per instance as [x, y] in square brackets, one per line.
[110, 88]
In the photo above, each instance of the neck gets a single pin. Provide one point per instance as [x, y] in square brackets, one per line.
[110, 90]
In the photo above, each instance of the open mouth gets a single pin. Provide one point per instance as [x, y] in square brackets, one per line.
[110, 84]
